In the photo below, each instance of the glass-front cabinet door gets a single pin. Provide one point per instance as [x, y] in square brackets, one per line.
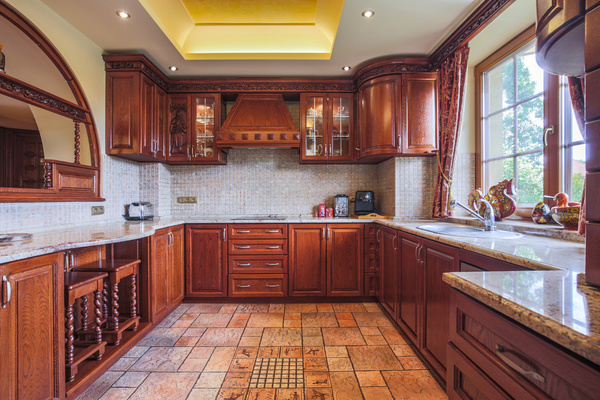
[326, 127]
[207, 112]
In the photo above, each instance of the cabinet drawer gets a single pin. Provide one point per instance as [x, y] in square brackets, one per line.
[257, 231]
[371, 263]
[495, 343]
[371, 246]
[258, 264]
[370, 231]
[371, 284]
[257, 246]
[258, 285]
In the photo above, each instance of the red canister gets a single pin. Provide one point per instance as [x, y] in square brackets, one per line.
[321, 210]
[329, 212]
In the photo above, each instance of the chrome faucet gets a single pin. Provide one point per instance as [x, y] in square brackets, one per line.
[488, 216]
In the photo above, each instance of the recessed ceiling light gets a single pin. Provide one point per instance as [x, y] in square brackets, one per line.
[346, 68]
[368, 13]
[173, 68]
[123, 14]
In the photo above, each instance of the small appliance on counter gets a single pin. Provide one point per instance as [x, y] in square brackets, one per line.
[364, 202]
[340, 205]
[139, 211]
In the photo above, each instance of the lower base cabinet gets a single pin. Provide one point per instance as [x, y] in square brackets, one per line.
[206, 260]
[167, 271]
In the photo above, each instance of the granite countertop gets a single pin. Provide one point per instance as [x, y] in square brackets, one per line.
[551, 303]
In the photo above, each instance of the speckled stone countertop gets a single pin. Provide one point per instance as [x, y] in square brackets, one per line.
[551, 303]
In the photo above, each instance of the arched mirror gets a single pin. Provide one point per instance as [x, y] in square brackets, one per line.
[48, 141]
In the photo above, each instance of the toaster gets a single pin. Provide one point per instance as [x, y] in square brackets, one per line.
[364, 202]
[139, 211]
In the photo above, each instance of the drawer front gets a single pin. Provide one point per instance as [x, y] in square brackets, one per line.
[371, 246]
[257, 246]
[370, 231]
[258, 285]
[371, 263]
[495, 343]
[258, 264]
[371, 284]
[257, 231]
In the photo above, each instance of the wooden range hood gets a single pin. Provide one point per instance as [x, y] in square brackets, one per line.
[258, 120]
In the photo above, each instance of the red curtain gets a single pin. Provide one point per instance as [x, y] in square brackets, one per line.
[452, 77]
[578, 101]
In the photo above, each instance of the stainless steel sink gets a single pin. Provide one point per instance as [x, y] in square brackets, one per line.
[467, 231]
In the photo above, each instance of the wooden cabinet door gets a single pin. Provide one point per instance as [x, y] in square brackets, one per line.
[410, 296]
[379, 116]
[176, 270]
[389, 269]
[32, 335]
[122, 113]
[313, 127]
[420, 127]
[340, 122]
[345, 260]
[206, 266]
[307, 260]
[160, 131]
[438, 258]
[148, 115]
[178, 134]
[159, 273]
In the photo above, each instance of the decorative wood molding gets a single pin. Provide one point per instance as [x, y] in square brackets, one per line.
[483, 15]
[138, 62]
[77, 142]
[48, 175]
[261, 85]
[390, 66]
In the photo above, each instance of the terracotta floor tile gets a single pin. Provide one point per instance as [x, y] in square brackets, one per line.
[277, 308]
[314, 351]
[265, 321]
[162, 337]
[375, 340]
[261, 394]
[161, 385]
[369, 358]
[372, 319]
[123, 364]
[221, 337]
[238, 323]
[315, 364]
[344, 315]
[318, 394]
[137, 351]
[100, 386]
[411, 363]
[161, 359]
[168, 321]
[418, 385]
[182, 308]
[293, 315]
[253, 332]
[345, 386]
[228, 309]
[370, 378]
[281, 337]
[370, 331]
[131, 379]
[347, 323]
[210, 380]
[268, 352]
[317, 320]
[292, 323]
[291, 352]
[242, 365]
[203, 394]
[220, 359]
[372, 307]
[232, 394]
[201, 352]
[246, 352]
[117, 394]
[204, 308]
[290, 394]
[339, 364]
[402, 350]
[250, 341]
[312, 341]
[392, 335]
[342, 337]
[311, 331]
[237, 380]
[317, 379]
[252, 308]
[184, 321]
[336, 351]
[193, 365]
[212, 320]
[187, 341]
[325, 307]
[349, 307]
[377, 393]
[301, 308]
[194, 332]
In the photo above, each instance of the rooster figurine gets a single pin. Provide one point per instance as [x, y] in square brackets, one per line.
[499, 198]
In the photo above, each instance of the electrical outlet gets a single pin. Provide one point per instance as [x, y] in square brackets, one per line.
[186, 200]
[97, 210]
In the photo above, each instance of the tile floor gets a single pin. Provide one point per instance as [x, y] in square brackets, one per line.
[326, 351]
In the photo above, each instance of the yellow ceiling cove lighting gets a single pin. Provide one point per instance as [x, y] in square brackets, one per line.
[247, 30]
[123, 14]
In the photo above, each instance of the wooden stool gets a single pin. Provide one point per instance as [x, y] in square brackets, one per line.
[80, 285]
[116, 270]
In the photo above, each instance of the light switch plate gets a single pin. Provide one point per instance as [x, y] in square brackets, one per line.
[186, 199]
[97, 210]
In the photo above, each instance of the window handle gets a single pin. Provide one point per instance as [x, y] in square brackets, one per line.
[548, 130]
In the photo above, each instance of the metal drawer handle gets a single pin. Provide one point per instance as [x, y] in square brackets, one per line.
[242, 231]
[244, 264]
[272, 231]
[7, 291]
[531, 374]
[243, 286]
[272, 264]
[272, 247]
[242, 247]
[272, 286]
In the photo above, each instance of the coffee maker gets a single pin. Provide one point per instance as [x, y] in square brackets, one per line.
[364, 202]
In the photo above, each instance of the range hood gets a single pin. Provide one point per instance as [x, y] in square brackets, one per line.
[258, 120]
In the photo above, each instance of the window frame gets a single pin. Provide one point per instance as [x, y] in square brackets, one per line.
[551, 152]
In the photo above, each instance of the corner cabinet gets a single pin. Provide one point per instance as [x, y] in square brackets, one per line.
[327, 127]
[206, 260]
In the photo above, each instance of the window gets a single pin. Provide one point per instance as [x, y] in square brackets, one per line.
[527, 128]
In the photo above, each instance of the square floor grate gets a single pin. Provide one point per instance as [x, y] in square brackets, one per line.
[277, 373]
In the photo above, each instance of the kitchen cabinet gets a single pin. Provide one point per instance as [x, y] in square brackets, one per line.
[327, 128]
[32, 338]
[206, 260]
[410, 288]
[194, 119]
[420, 128]
[307, 260]
[389, 270]
[167, 271]
[372, 259]
[345, 266]
[135, 116]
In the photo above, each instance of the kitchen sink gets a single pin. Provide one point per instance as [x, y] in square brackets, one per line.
[468, 231]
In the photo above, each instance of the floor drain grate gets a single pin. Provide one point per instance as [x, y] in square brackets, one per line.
[277, 373]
